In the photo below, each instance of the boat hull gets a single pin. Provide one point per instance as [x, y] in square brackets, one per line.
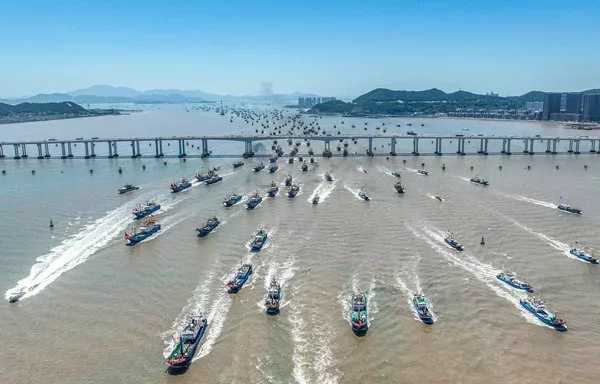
[145, 212]
[560, 328]
[258, 246]
[252, 204]
[213, 180]
[458, 247]
[206, 230]
[188, 359]
[236, 287]
[232, 202]
[122, 191]
[272, 192]
[584, 257]
[181, 187]
[135, 239]
[514, 284]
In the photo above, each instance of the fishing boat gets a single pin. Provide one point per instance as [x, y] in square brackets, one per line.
[273, 189]
[479, 180]
[567, 208]
[579, 253]
[438, 198]
[304, 167]
[511, 279]
[273, 159]
[15, 296]
[451, 241]
[127, 188]
[396, 174]
[202, 177]
[288, 180]
[273, 168]
[214, 179]
[328, 176]
[363, 195]
[210, 225]
[312, 160]
[398, 187]
[291, 159]
[259, 240]
[232, 199]
[420, 304]
[189, 338]
[293, 191]
[273, 298]
[358, 316]
[422, 172]
[412, 133]
[238, 164]
[239, 278]
[538, 308]
[254, 201]
[180, 186]
[149, 208]
[259, 167]
[148, 229]
[316, 199]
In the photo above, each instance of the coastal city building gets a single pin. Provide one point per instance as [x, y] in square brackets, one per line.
[551, 105]
[591, 108]
[309, 102]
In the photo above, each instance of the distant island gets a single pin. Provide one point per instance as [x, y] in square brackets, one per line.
[431, 102]
[27, 112]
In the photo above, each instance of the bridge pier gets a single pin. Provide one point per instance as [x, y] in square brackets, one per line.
[327, 149]
[133, 154]
[248, 151]
[531, 141]
[508, 141]
[485, 146]
[1, 152]
[156, 149]
[548, 146]
[438, 146]
[205, 151]
[181, 149]
[87, 150]
[503, 146]
[63, 151]
[593, 146]
[110, 150]
[137, 146]
[554, 146]
[393, 146]
[570, 146]
[46, 150]
[24, 151]
[577, 147]
[162, 154]
[39, 147]
[526, 149]
[415, 146]
[480, 146]
[70, 151]
[93, 150]
[17, 156]
[370, 150]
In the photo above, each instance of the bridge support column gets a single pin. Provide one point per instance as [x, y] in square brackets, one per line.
[39, 146]
[205, 152]
[577, 146]
[63, 151]
[93, 149]
[370, 150]
[531, 141]
[133, 154]
[508, 141]
[137, 146]
[181, 149]
[439, 146]
[503, 146]
[458, 151]
[485, 146]
[156, 149]
[480, 146]
[1, 152]
[415, 146]
[327, 149]
[526, 149]
[110, 150]
[87, 150]
[116, 153]
[548, 146]
[248, 152]
[393, 146]
[46, 150]
[462, 147]
[70, 151]
[24, 151]
[570, 146]
[162, 154]
[593, 146]
[554, 146]
[17, 156]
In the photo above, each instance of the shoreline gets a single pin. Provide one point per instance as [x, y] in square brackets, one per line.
[34, 119]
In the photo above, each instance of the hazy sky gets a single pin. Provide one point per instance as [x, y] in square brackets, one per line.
[339, 48]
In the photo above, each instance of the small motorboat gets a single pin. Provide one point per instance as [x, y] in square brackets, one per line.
[273, 168]
[273, 159]
[293, 191]
[569, 209]
[411, 133]
[149, 208]
[538, 308]
[511, 279]
[359, 316]
[328, 176]
[363, 195]
[259, 240]
[148, 229]
[396, 174]
[479, 180]
[232, 199]
[579, 253]
[421, 307]
[180, 186]
[273, 298]
[127, 188]
[254, 201]
[422, 172]
[398, 187]
[15, 296]
[304, 167]
[189, 338]
[239, 278]
[238, 164]
[210, 225]
[259, 167]
[316, 199]
[214, 179]
[438, 198]
[288, 180]
[451, 241]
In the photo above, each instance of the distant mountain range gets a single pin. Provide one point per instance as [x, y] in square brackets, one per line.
[110, 94]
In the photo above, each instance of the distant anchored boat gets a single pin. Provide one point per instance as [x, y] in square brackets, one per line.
[127, 188]
[238, 164]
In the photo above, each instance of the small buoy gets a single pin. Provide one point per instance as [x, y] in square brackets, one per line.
[471, 167]
[33, 171]
[443, 167]
[51, 224]
[387, 157]
[500, 167]
[144, 166]
[585, 166]
[4, 172]
[184, 160]
[120, 170]
[91, 171]
[482, 241]
[165, 163]
[422, 164]
[404, 161]
[557, 167]
[528, 167]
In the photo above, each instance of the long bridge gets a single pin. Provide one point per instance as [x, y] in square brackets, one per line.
[430, 144]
